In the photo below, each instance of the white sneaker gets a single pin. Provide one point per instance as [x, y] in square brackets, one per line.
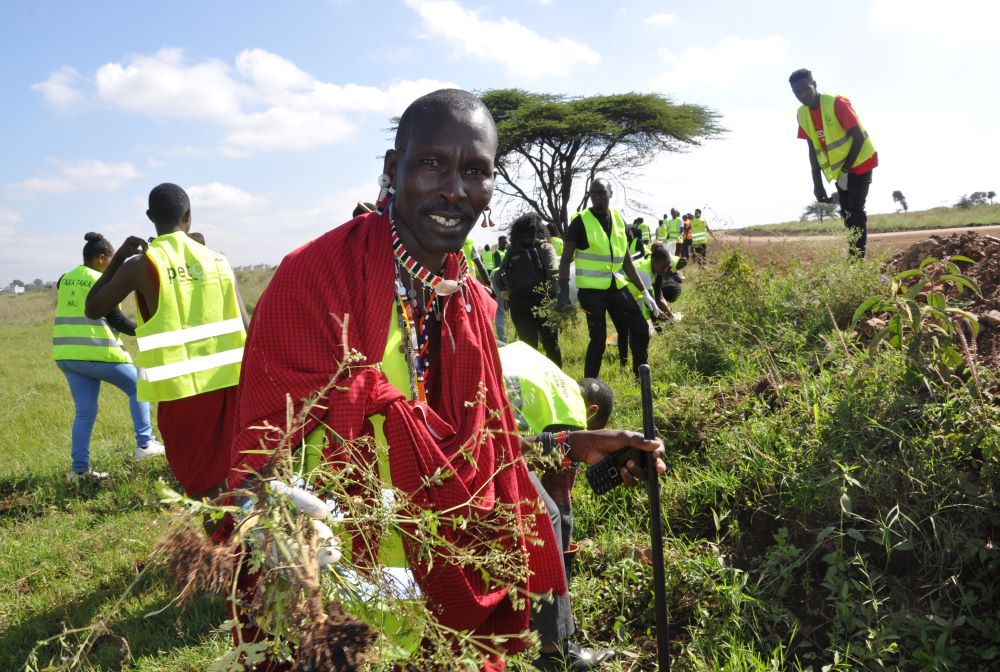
[154, 447]
[89, 475]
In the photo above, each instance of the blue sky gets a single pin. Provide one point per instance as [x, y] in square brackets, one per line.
[273, 114]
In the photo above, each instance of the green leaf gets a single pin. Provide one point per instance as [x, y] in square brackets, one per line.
[864, 307]
[855, 534]
[895, 330]
[926, 262]
[917, 288]
[959, 257]
[962, 282]
[937, 301]
[915, 315]
[913, 272]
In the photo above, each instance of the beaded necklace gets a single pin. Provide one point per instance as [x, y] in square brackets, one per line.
[414, 323]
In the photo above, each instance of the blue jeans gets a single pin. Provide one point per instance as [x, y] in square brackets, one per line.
[85, 383]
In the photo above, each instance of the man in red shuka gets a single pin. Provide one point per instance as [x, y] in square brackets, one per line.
[380, 275]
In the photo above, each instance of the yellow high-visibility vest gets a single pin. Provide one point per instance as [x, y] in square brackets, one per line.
[645, 233]
[74, 335]
[557, 243]
[699, 231]
[600, 265]
[193, 343]
[838, 143]
[541, 395]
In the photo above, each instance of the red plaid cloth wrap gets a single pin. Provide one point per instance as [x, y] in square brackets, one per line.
[293, 347]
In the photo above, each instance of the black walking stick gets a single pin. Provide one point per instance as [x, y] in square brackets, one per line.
[655, 524]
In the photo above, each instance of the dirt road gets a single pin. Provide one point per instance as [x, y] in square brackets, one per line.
[896, 240]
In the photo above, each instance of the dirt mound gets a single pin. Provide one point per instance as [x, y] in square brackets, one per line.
[985, 271]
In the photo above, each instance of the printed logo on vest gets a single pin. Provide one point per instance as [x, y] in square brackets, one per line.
[186, 273]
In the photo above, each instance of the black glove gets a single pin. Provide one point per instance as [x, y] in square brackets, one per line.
[562, 302]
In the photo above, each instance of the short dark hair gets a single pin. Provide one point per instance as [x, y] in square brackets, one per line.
[670, 290]
[659, 253]
[598, 393]
[95, 246]
[455, 99]
[801, 73]
[168, 204]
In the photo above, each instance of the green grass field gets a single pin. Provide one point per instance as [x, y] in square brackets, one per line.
[826, 508]
[936, 218]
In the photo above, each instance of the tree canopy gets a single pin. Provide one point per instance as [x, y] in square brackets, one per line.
[549, 142]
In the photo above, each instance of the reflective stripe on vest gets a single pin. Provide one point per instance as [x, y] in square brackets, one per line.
[469, 250]
[838, 143]
[540, 394]
[193, 343]
[699, 231]
[76, 336]
[600, 265]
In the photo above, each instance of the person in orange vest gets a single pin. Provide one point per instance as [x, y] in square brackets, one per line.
[839, 150]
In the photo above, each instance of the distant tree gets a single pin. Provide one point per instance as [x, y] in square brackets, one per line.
[979, 197]
[549, 142]
[897, 197]
[964, 203]
[991, 195]
[16, 283]
[819, 210]
[38, 283]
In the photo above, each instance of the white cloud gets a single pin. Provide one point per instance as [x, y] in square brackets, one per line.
[219, 196]
[9, 216]
[60, 89]
[522, 50]
[724, 65]
[955, 23]
[86, 175]
[162, 85]
[661, 19]
[263, 103]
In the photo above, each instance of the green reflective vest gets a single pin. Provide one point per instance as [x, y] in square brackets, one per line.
[498, 256]
[644, 232]
[74, 335]
[600, 265]
[469, 250]
[699, 232]
[557, 243]
[541, 395]
[489, 262]
[193, 343]
[662, 230]
[831, 157]
[674, 227]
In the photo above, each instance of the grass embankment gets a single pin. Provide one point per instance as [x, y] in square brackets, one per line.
[936, 218]
[823, 506]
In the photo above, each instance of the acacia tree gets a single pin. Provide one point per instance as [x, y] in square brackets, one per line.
[549, 142]
[819, 210]
[897, 197]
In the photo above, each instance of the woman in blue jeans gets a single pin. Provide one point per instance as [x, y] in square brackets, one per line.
[90, 351]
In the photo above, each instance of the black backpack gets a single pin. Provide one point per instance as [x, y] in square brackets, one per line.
[524, 270]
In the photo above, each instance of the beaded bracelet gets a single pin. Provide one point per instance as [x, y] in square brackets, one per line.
[547, 442]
